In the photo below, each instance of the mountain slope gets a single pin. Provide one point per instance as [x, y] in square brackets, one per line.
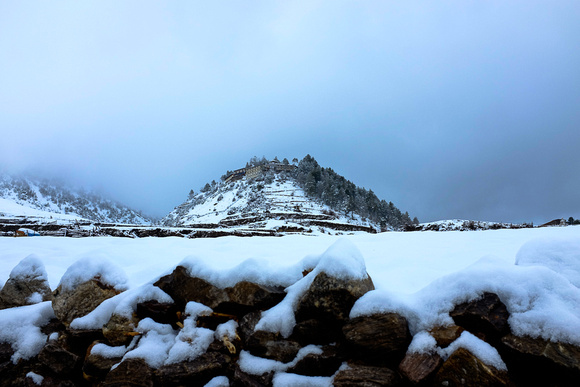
[25, 196]
[278, 196]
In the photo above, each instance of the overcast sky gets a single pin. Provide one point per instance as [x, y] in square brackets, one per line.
[449, 109]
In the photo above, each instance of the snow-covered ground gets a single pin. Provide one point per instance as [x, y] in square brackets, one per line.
[536, 272]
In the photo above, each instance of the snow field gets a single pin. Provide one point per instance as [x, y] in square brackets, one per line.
[420, 275]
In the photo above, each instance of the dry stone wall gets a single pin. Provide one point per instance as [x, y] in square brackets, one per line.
[368, 350]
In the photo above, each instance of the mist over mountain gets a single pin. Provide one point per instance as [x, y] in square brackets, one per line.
[50, 199]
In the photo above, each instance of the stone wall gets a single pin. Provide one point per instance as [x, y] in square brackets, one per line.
[368, 350]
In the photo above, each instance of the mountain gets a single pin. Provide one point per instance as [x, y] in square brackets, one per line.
[283, 197]
[48, 201]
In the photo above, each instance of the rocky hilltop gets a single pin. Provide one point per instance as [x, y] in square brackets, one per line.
[272, 196]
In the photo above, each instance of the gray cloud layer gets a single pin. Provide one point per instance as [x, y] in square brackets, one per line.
[453, 109]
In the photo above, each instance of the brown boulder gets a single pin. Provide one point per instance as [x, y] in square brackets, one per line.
[79, 301]
[366, 376]
[247, 296]
[58, 360]
[444, 336]
[420, 367]
[485, 317]
[538, 359]
[271, 346]
[119, 330]
[183, 288]
[331, 299]
[464, 369]
[161, 312]
[378, 338]
[26, 285]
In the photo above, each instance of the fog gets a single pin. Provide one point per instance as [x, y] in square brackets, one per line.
[453, 109]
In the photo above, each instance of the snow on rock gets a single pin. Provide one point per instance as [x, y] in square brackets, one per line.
[482, 350]
[94, 267]
[541, 302]
[36, 378]
[191, 341]
[342, 260]
[29, 267]
[283, 379]
[218, 381]
[155, 343]
[21, 328]
[27, 284]
[108, 351]
[422, 342]
[255, 365]
[123, 304]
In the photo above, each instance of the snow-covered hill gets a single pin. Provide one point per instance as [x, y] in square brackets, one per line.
[464, 225]
[273, 202]
[45, 201]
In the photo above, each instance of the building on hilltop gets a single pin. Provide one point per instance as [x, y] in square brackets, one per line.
[258, 170]
[236, 175]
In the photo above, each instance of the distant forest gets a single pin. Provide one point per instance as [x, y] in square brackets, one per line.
[344, 196]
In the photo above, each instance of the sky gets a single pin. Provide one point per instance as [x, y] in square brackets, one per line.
[449, 109]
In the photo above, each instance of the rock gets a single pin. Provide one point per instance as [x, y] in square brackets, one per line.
[163, 313]
[242, 379]
[541, 360]
[272, 346]
[316, 332]
[78, 341]
[183, 288]
[247, 296]
[79, 301]
[485, 317]
[366, 376]
[325, 364]
[247, 325]
[58, 360]
[26, 285]
[420, 367]
[378, 338]
[119, 330]
[330, 299]
[196, 372]
[464, 369]
[444, 336]
[96, 367]
[131, 372]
